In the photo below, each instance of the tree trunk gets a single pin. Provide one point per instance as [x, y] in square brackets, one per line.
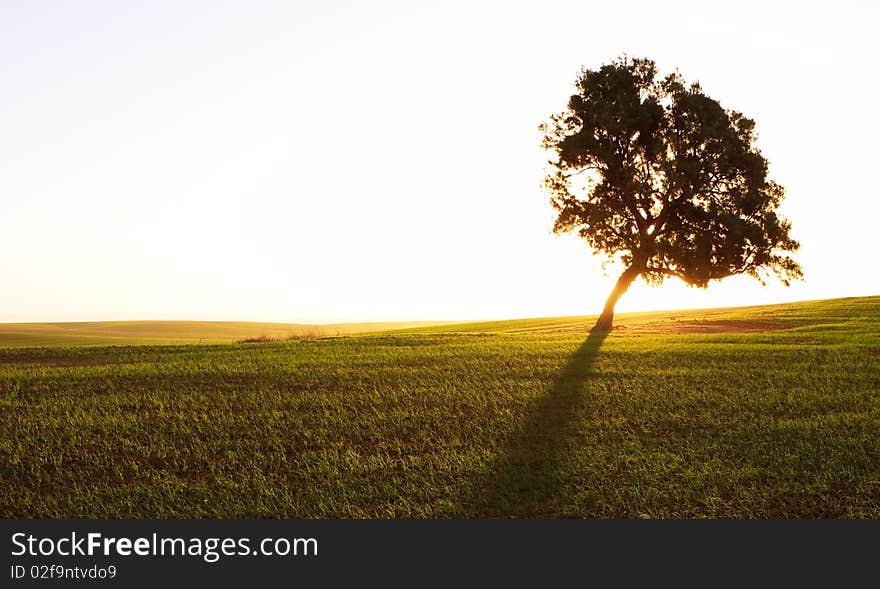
[605, 320]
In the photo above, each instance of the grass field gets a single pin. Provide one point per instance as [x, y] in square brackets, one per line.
[139, 333]
[754, 412]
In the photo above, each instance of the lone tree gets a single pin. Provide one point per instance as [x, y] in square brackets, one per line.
[656, 175]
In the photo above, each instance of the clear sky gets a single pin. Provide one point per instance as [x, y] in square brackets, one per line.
[353, 161]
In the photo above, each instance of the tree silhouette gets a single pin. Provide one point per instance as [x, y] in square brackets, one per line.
[656, 175]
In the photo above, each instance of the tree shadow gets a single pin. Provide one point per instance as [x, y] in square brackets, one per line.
[525, 480]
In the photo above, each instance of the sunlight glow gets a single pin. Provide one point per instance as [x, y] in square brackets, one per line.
[380, 161]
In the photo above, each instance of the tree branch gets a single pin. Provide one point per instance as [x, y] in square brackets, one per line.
[667, 272]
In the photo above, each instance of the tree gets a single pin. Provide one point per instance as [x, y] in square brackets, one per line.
[656, 175]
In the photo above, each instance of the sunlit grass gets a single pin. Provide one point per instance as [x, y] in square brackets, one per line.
[468, 421]
[135, 333]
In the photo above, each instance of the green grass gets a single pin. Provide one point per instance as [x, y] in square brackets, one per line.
[759, 412]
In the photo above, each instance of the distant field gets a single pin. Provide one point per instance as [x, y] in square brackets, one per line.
[135, 333]
[754, 412]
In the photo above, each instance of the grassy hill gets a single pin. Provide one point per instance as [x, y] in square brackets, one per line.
[753, 412]
[135, 333]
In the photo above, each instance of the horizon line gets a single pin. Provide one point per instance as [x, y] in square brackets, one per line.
[428, 321]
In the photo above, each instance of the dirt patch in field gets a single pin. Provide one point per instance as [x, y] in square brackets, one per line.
[704, 326]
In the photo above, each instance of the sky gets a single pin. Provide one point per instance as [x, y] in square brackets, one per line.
[376, 161]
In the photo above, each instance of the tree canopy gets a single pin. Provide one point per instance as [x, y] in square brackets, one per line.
[655, 174]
